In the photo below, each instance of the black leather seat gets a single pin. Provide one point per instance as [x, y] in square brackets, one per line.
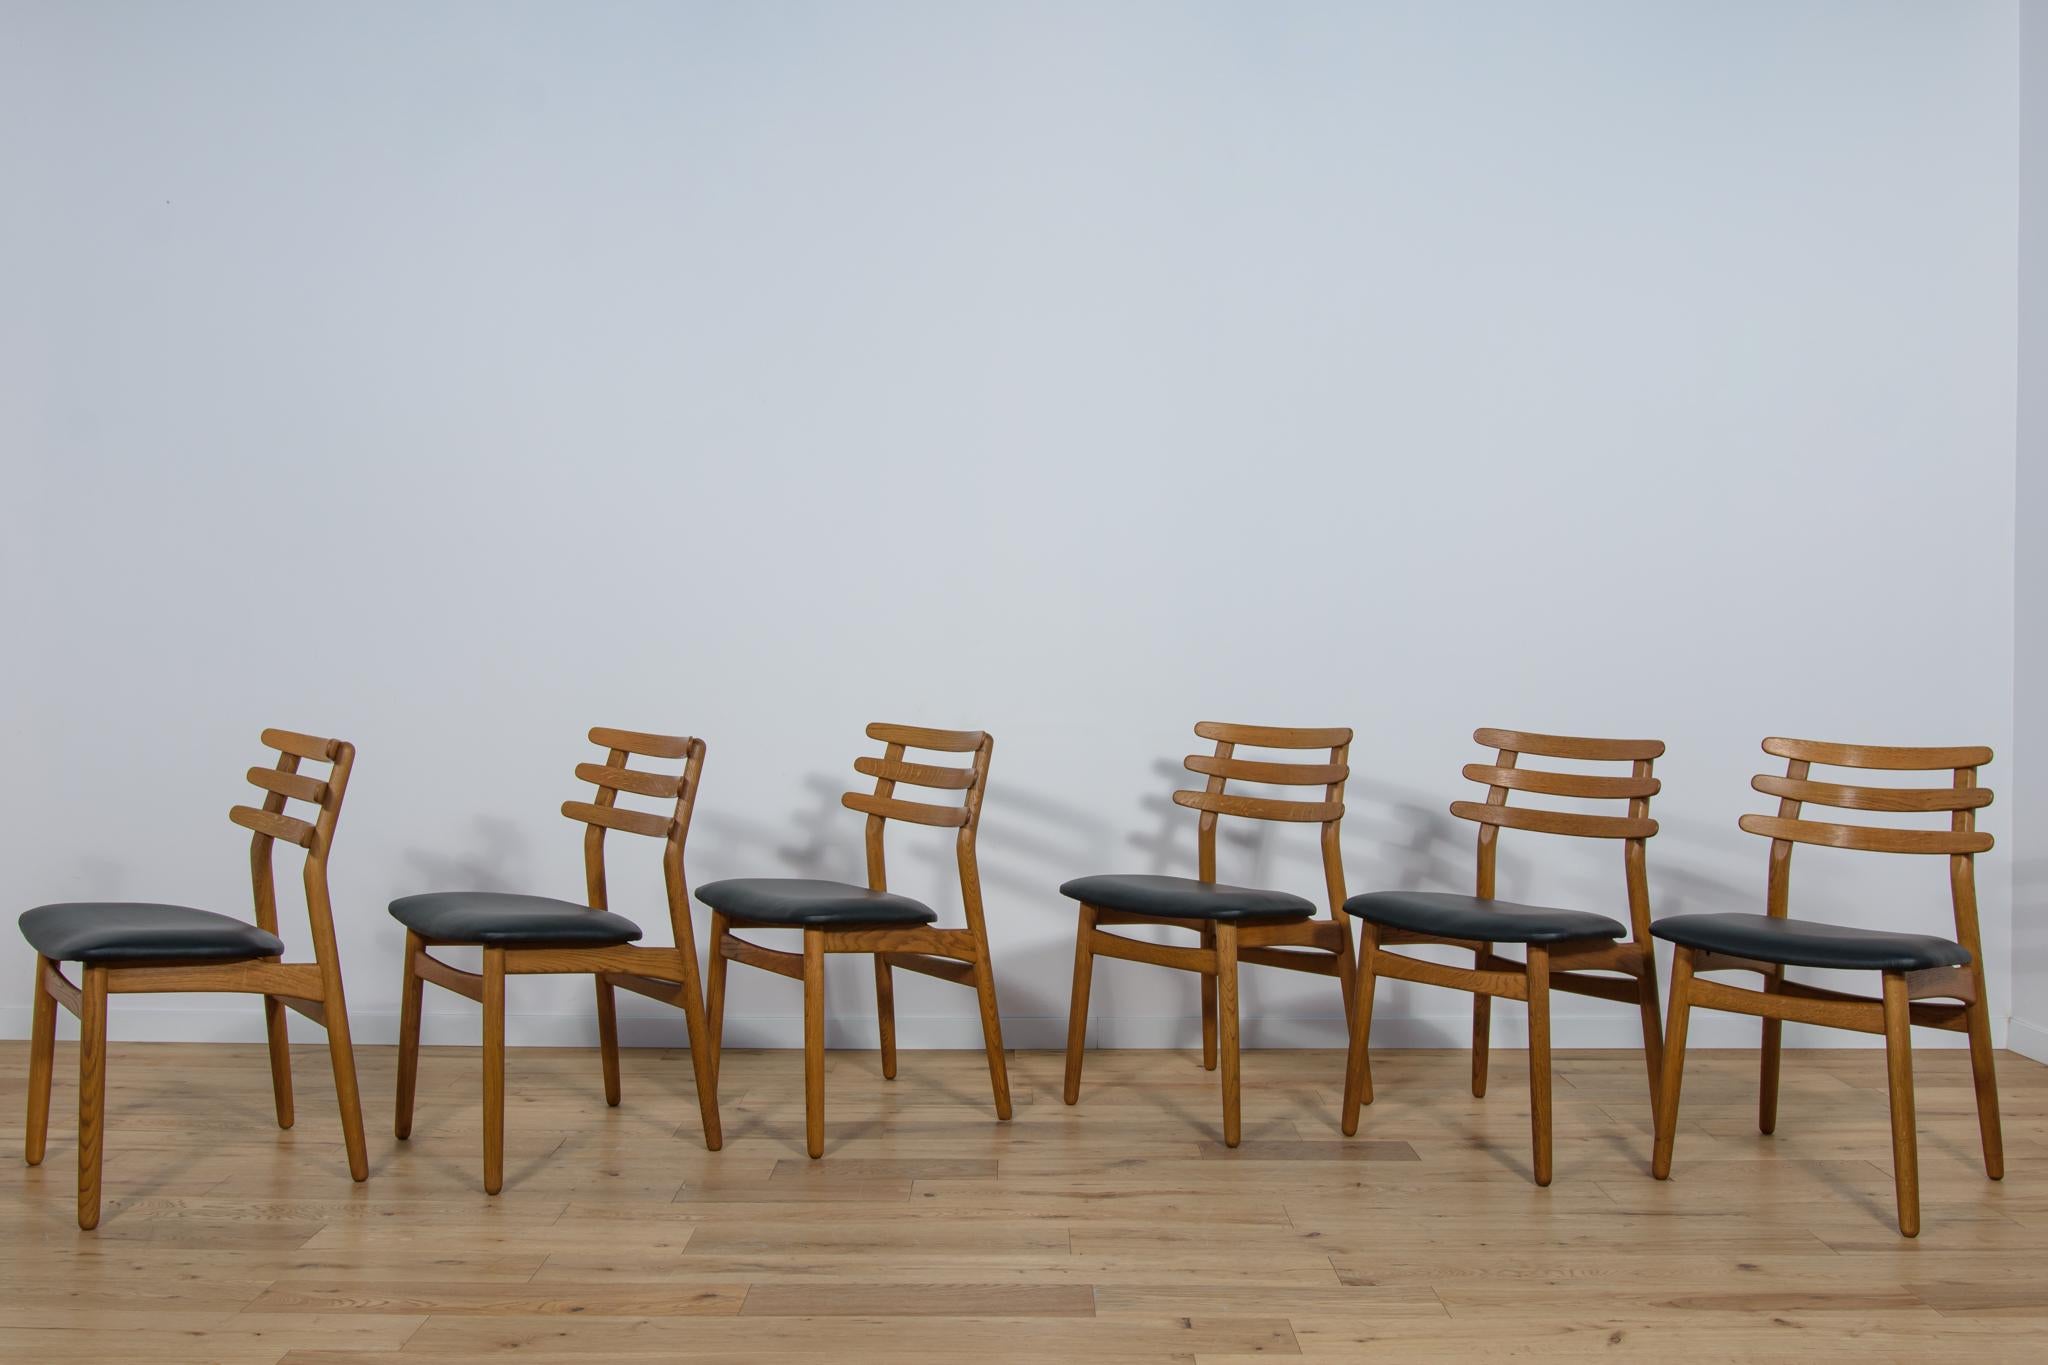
[1469, 917]
[500, 917]
[109, 932]
[1809, 943]
[1186, 898]
[801, 902]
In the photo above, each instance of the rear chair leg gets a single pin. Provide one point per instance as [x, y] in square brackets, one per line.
[885, 1014]
[714, 995]
[42, 1060]
[1674, 1064]
[274, 1016]
[1653, 1026]
[992, 1030]
[1482, 1028]
[1773, 1052]
[608, 1036]
[703, 1057]
[494, 1070]
[1538, 973]
[1208, 1004]
[1226, 1020]
[408, 1037]
[92, 1092]
[814, 1042]
[1358, 1063]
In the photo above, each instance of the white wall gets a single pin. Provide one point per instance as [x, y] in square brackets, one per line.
[2030, 604]
[450, 378]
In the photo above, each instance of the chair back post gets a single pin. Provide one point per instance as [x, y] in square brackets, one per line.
[1962, 875]
[1205, 823]
[964, 845]
[1332, 845]
[673, 873]
[595, 891]
[1487, 858]
[319, 905]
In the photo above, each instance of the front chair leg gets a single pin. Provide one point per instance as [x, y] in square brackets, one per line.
[410, 989]
[1898, 1055]
[703, 1060]
[1358, 1061]
[1772, 1050]
[274, 1015]
[608, 1036]
[92, 1092]
[341, 1055]
[714, 995]
[42, 1060]
[885, 1014]
[1208, 1004]
[1226, 1021]
[1674, 1063]
[1985, 1076]
[494, 1070]
[814, 1042]
[1653, 1026]
[1538, 975]
[1482, 1028]
[1077, 1012]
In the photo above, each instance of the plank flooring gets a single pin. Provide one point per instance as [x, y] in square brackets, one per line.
[1122, 1230]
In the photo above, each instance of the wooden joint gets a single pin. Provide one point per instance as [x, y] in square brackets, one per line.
[737, 949]
[467, 984]
[1202, 960]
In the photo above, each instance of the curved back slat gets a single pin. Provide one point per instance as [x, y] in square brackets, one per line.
[1588, 786]
[1868, 838]
[1269, 774]
[1555, 821]
[1570, 746]
[918, 737]
[1885, 757]
[1260, 807]
[1897, 799]
[916, 812]
[935, 776]
[1274, 736]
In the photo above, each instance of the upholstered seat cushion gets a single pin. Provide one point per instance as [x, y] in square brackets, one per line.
[1186, 898]
[107, 933]
[1486, 921]
[800, 902]
[1809, 943]
[500, 917]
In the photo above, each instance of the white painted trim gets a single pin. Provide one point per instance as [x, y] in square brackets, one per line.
[244, 1024]
[2028, 1039]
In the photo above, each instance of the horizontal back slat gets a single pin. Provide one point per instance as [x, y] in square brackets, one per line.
[1569, 746]
[631, 780]
[276, 826]
[1275, 774]
[297, 786]
[932, 775]
[916, 812]
[300, 746]
[1844, 797]
[1273, 736]
[1555, 821]
[612, 817]
[1592, 786]
[918, 737]
[1260, 807]
[1878, 755]
[640, 742]
[1868, 838]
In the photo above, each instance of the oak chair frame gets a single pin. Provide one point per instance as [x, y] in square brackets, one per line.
[666, 974]
[958, 955]
[1951, 998]
[311, 988]
[1321, 947]
[1566, 966]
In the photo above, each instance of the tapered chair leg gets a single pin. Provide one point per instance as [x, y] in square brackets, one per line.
[1985, 1076]
[341, 1053]
[1539, 1058]
[1226, 1027]
[1898, 1055]
[274, 1015]
[714, 995]
[409, 1003]
[1347, 978]
[885, 1014]
[1674, 1063]
[1653, 1026]
[1772, 1048]
[703, 1060]
[992, 1032]
[1077, 1011]
[1482, 1029]
[494, 1070]
[814, 1043]
[1208, 1004]
[608, 1037]
[1358, 1061]
[42, 1061]
[92, 1092]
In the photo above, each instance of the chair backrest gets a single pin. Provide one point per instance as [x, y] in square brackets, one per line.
[883, 805]
[1224, 767]
[1961, 800]
[281, 783]
[671, 826]
[1505, 774]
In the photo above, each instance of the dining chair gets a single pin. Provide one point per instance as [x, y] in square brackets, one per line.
[1236, 924]
[1563, 949]
[838, 917]
[1928, 979]
[132, 948]
[535, 935]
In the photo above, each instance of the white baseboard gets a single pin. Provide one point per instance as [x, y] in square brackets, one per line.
[2028, 1039]
[243, 1023]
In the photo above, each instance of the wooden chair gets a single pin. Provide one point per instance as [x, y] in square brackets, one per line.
[1236, 923]
[533, 935]
[1561, 947]
[1920, 971]
[836, 917]
[128, 948]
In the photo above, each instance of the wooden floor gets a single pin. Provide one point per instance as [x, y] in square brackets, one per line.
[1121, 1230]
